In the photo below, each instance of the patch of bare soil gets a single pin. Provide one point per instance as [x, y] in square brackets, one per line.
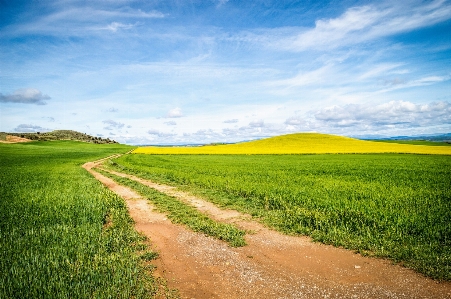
[14, 139]
[272, 265]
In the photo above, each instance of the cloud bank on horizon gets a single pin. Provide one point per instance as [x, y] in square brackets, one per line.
[162, 72]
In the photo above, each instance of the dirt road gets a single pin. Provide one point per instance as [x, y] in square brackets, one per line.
[272, 265]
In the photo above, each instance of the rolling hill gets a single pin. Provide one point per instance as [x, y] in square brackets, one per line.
[56, 135]
[301, 143]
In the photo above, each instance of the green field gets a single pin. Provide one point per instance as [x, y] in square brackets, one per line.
[62, 234]
[388, 205]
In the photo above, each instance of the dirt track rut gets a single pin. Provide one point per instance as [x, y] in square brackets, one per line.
[272, 265]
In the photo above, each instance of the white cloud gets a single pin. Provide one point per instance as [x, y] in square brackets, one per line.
[316, 76]
[399, 83]
[390, 119]
[330, 32]
[358, 24]
[160, 134]
[83, 19]
[174, 113]
[112, 125]
[298, 121]
[230, 121]
[115, 26]
[153, 132]
[25, 96]
[380, 69]
[430, 80]
[96, 14]
[27, 128]
[164, 64]
[388, 115]
[257, 124]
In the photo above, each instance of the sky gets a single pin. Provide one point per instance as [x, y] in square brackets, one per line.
[181, 71]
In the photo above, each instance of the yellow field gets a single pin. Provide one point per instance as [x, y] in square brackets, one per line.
[301, 143]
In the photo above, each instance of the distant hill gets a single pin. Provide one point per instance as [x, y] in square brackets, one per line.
[301, 143]
[431, 137]
[59, 135]
[439, 138]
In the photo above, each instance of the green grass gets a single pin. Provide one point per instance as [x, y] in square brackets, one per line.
[388, 205]
[182, 213]
[62, 234]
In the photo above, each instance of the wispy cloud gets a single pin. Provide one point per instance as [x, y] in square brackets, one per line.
[115, 26]
[230, 121]
[28, 128]
[380, 69]
[87, 13]
[113, 125]
[257, 123]
[160, 134]
[25, 96]
[356, 25]
[388, 115]
[424, 81]
[304, 78]
[191, 74]
[83, 19]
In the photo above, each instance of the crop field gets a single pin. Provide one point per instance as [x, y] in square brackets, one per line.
[304, 143]
[388, 205]
[62, 234]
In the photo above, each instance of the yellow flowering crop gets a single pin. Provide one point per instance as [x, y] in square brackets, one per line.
[301, 143]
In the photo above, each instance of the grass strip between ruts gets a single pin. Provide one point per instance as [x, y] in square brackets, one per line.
[182, 213]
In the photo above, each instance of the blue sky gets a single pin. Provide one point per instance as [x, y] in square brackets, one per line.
[176, 71]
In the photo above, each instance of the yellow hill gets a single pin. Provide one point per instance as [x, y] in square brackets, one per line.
[301, 143]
